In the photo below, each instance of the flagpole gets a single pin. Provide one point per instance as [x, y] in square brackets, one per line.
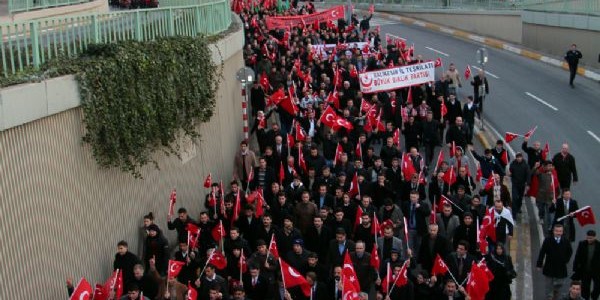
[205, 265]
[269, 248]
[575, 212]
[282, 277]
[398, 277]
[241, 267]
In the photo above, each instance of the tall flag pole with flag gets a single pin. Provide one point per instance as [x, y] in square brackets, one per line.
[208, 181]
[82, 291]
[172, 201]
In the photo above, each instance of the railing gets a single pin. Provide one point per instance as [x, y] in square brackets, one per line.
[26, 5]
[29, 44]
[585, 7]
[174, 3]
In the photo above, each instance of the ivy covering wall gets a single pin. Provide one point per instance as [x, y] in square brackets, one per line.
[138, 98]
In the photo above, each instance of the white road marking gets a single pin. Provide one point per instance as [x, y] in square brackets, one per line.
[538, 99]
[594, 135]
[552, 61]
[419, 23]
[477, 38]
[438, 51]
[486, 72]
[511, 49]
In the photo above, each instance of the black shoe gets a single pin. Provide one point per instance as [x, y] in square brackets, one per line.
[572, 86]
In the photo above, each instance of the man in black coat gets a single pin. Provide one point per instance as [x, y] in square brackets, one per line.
[432, 244]
[457, 133]
[317, 238]
[125, 261]
[263, 177]
[459, 262]
[430, 136]
[338, 247]
[565, 206]
[534, 154]
[180, 224]
[564, 164]
[586, 265]
[553, 258]
[255, 285]
[572, 57]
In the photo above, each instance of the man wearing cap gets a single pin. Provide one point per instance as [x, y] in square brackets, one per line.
[298, 255]
[520, 177]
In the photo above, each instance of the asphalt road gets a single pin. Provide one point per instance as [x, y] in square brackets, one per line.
[525, 93]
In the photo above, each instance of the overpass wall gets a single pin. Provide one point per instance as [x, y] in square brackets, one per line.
[497, 24]
[554, 33]
[61, 215]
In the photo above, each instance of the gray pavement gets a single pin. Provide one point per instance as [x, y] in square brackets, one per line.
[525, 93]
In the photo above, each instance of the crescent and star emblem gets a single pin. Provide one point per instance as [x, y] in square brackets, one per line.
[292, 272]
[366, 81]
[85, 295]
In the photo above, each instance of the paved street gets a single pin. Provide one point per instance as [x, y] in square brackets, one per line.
[525, 93]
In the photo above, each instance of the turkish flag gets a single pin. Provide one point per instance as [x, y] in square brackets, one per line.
[354, 188]
[273, 247]
[342, 122]
[175, 267]
[396, 137]
[439, 266]
[385, 224]
[468, 72]
[443, 201]
[300, 134]
[488, 225]
[478, 283]
[350, 292]
[193, 235]
[385, 282]
[293, 278]
[281, 174]
[481, 239]
[349, 273]
[545, 152]
[452, 149]
[450, 176]
[357, 218]
[479, 172]
[301, 161]
[358, 151]
[402, 278]
[192, 294]
[276, 97]
[172, 201]
[264, 82]
[371, 9]
[218, 259]
[237, 207]
[432, 215]
[260, 203]
[409, 97]
[440, 160]
[490, 183]
[208, 181]
[114, 283]
[438, 62]
[338, 154]
[585, 216]
[334, 99]
[328, 117]
[375, 226]
[218, 232]
[212, 200]
[83, 290]
[443, 108]
[375, 262]
[365, 106]
[242, 264]
[288, 104]
[100, 293]
[530, 132]
[504, 157]
[509, 136]
[408, 169]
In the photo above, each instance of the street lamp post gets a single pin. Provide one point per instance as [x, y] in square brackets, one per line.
[245, 76]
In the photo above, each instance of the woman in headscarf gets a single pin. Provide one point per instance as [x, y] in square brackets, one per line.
[500, 264]
[156, 247]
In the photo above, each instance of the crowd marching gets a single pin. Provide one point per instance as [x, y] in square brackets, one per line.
[352, 195]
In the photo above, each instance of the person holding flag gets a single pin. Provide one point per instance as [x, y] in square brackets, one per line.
[168, 285]
[180, 224]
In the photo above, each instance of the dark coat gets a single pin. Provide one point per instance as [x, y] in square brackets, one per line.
[554, 257]
[458, 135]
[565, 169]
[581, 267]
[334, 256]
[258, 291]
[266, 182]
[125, 263]
[421, 218]
[426, 256]
[502, 268]
[453, 265]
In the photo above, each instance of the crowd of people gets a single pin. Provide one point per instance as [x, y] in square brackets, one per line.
[393, 195]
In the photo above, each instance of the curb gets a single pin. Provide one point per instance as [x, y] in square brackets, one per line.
[495, 43]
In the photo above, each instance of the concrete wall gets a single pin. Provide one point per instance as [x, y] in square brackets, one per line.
[554, 33]
[60, 215]
[501, 25]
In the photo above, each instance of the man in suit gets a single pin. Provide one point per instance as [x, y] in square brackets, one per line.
[338, 247]
[586, 265]
[388, 242]
[255, 285]
[416, 212]
[565, 206]
[553, 258]
[362, 265]
[438, 187]
[323, 198]
[334, 286]
[318, 290]
[447, 222]
[432, 245]
[459, 262]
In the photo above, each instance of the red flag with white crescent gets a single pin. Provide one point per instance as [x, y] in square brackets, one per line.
[82, 291]
[349, 273]
[172, 201]
[292, 278]
[585, 215]
[174, 268]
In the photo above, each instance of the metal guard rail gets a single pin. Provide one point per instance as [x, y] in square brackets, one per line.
[31, 43]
